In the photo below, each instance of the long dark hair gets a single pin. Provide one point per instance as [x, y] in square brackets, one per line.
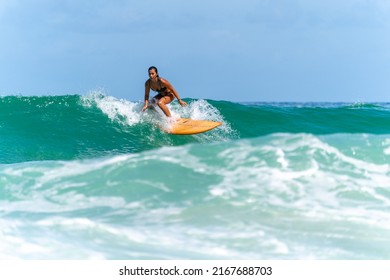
[155, 69]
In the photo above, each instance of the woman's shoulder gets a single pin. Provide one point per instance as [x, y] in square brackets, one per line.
[147, 83]
[163, 81]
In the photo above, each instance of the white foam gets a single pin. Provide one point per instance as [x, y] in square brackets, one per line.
[129, 113]
[276, 196]
[119, 110]
[317, 182]
[386, 145]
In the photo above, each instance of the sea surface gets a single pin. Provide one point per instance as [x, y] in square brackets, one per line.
[91, 177]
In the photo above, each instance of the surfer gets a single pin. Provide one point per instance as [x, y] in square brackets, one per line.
[166, 92]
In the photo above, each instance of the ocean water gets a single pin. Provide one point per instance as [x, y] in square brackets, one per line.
[90, 177]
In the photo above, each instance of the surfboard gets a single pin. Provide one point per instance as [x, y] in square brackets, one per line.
[189, 126]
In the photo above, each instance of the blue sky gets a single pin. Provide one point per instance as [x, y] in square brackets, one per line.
[248, 50]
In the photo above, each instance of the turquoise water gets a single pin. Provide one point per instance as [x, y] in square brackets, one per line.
[90, 177]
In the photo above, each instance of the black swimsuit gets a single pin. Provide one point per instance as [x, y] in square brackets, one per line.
[161, 90]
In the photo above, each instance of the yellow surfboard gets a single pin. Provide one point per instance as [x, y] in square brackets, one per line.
[189, 126]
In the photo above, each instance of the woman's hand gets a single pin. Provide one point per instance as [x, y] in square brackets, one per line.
[145, 107]
[182, 103]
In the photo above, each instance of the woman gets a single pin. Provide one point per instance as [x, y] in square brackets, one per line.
[166, 92]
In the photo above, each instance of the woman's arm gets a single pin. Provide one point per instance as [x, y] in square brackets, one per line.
[168, 85]
[147, 91]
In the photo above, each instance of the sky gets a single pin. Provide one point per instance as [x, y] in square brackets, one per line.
[247, 50]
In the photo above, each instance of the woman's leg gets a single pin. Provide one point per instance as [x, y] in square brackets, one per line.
[163, 101]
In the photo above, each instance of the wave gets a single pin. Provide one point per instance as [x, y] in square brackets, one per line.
[73, 126]
[279, 196]
[257, 119]
[78, 127]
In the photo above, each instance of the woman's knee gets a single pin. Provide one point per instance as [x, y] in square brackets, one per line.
[161, 102]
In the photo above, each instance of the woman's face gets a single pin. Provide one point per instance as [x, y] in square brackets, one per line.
[152, 74]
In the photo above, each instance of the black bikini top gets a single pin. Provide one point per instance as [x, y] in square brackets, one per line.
[162, 89]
